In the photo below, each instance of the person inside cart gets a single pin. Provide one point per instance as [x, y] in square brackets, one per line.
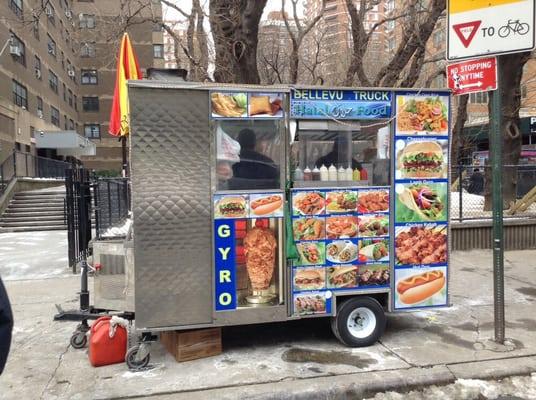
[338, 156]
[254, 170]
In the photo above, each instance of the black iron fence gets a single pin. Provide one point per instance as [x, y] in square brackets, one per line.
[18, 165]
[471, 183]
[112, 203]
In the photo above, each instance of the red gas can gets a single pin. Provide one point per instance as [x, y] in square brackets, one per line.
[103, 349]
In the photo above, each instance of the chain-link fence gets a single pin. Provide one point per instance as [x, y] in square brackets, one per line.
[471, 183]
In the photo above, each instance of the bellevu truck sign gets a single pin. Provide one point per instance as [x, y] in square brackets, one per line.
[489, 27]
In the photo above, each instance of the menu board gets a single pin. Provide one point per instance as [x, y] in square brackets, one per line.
[245, 239]
[238, 105]
[421, 146]
[342, 239]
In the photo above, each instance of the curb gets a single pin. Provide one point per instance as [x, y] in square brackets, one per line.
[364, 384]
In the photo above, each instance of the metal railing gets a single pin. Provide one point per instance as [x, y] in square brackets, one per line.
[25, 165]
[112, 203]
[469, 202]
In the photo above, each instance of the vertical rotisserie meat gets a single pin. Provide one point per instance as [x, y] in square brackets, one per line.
[259, 249]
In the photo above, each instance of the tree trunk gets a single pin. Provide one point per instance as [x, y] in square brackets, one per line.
[235, 28]
[202, 45]
[457, 130]
[294, 62]
[511, 72]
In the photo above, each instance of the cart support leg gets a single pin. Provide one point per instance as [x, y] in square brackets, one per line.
[84, 292]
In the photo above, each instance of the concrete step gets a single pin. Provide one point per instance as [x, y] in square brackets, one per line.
[34, 201]
[33, 229]
[31, 223]
[22, 204]
[38, 212]
[32, 208]
[31, 218]
[39, 197]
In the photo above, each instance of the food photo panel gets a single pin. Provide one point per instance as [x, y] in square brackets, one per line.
[309, 278]
[311, 253]
[421, 202]
[341, 252]
[373, 250]
[341, 227]
[420, 287]
[229, 104]
[373, 225]
[309, 228]
[373, 275]
[308, 203]
[418, 244]
[266, 205]
[418, 158]
[342, 277]
[341, 201]
[231, 206]
[422, 114]
[373, 200]
[265, 105]
[312, 303]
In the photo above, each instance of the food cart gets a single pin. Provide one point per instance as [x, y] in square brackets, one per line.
[260, 204]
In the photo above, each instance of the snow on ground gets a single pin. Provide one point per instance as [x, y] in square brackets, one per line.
[119, 230]
[473, 207]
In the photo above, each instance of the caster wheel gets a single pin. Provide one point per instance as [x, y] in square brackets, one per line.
[360, 322]
[78, 340]
[132, 360]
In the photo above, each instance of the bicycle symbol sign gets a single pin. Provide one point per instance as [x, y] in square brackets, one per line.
[512, 27]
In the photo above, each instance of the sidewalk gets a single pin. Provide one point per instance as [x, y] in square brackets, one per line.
[292, 360]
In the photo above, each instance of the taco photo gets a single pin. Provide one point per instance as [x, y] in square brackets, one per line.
[373, 250]
[421, 202]
[342, 277]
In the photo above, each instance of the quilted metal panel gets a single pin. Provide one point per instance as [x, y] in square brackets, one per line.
[170, 159]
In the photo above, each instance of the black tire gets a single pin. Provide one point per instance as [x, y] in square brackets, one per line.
[339, 324]
[78, 340]
[130, 359]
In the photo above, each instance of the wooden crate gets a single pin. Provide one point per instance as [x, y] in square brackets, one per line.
[192, 344]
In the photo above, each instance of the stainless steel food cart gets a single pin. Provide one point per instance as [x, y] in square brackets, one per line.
[196, 200]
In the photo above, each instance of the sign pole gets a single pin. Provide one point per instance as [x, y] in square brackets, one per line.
[497, 201]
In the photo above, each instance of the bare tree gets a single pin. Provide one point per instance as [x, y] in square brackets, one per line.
[297, 35]
[235, 27]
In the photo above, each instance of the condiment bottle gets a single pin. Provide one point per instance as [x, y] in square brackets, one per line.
[364, 175]
[356, 175]
[324, 174]
[349, 173]
[341, 174]
[307, 174]
[332, 173]
[298, 174]
[316, 174]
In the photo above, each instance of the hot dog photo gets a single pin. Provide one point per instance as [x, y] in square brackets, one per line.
[423, 287]
[266, 205]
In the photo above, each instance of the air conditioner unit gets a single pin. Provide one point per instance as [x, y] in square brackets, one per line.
[71, 73]
[48, 12]
[14, 50]
[68, 14]
[38, 73]
[51, 50]
[40, 113]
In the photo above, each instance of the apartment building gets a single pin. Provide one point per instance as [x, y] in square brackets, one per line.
[335, 30]
[57, 73]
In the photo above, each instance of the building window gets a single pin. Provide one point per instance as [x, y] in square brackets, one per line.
[19, 49]
[524, 91]
[55, 116]
[51, 46]
[65, 121]
[87, 49]
[87, 21]
[53, 81]
[478, 98]
[71, 124]
[158, 51]
[37, 66]
[32, 132]
[20, 95]
[70, 97]
[39, 106]
[75, 101]
[17, 146]
[89, 77]
[90, 103]
[92, 131]
[16, 7]
[50, 13]
[35, 28]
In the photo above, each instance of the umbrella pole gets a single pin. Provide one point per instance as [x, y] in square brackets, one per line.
[124, 172]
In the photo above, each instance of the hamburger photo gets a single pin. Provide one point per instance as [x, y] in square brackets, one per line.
[421, 160]
[309, 279]
[232, 207]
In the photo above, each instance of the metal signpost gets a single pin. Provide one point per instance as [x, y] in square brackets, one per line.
[478, 28]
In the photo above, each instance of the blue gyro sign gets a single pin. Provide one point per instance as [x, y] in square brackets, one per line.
[225, 265]
[340, 104]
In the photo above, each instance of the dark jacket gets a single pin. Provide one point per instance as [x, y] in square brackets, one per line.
[476, 183]
[254, 171]
[6, 326]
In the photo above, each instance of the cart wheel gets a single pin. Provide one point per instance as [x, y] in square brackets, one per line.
[131, 360]
[78, 340]
[360, 322]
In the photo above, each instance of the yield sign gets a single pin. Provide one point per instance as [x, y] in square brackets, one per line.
[466, 31]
